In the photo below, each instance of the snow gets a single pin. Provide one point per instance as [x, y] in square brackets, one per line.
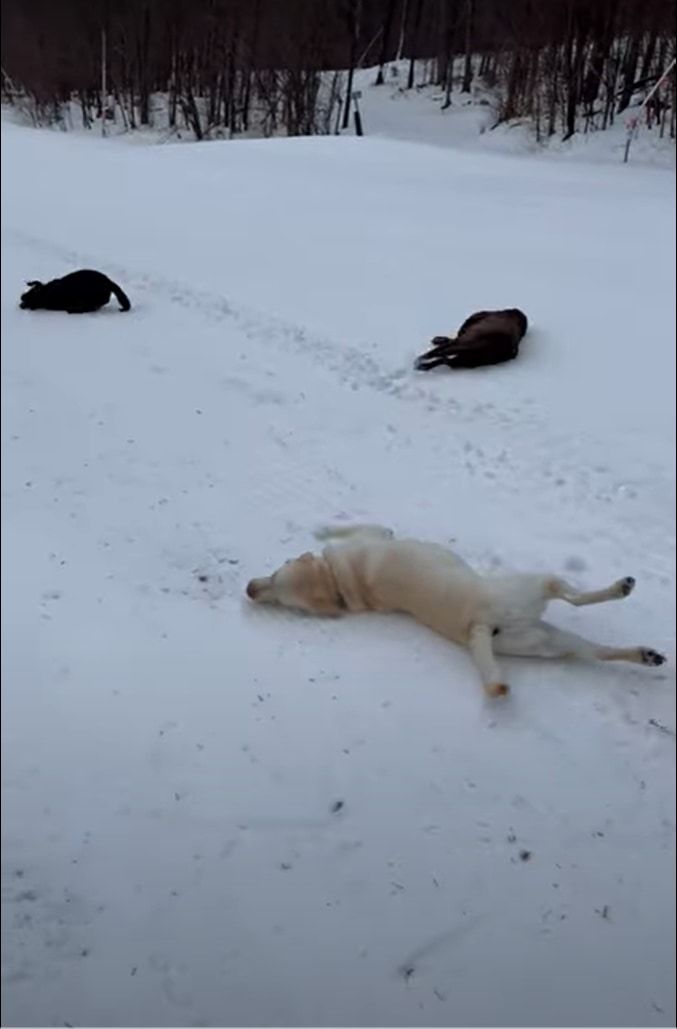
[173, 757]
[470, 123]
[416, 115]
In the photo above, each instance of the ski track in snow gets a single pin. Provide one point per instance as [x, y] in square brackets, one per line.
[570, 479]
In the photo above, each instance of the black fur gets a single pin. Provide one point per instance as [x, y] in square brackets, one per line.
[77, 293]
[486, 337]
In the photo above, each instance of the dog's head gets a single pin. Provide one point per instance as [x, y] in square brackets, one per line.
[305, 583]
[518, 318]
[32, 298]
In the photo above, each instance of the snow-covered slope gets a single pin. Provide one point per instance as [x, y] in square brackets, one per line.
[174, 849]
[418, 115]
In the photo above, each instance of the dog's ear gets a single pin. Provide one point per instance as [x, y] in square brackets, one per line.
[34, 282]
[326, 598]
[326, 606]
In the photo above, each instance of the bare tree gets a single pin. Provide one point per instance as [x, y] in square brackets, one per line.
[231, 66]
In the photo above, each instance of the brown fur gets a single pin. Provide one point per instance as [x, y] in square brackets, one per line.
[486, 337]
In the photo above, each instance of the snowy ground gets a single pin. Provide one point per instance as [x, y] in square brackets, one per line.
[417, 115]
[172, 757]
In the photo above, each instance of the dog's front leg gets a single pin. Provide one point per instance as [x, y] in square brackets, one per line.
[482, 653]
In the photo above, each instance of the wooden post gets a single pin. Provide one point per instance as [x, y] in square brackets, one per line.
[356, 94]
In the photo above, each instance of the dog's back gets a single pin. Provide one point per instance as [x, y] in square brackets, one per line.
[425, 580]
[510, 323]
[485, 338]
[82, 291]
[490, 337]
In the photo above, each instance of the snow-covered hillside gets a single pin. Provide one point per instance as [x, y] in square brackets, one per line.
[470, 123]
[174, 850]
[417, 115]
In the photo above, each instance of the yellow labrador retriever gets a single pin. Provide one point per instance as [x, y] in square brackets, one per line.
[367, 569]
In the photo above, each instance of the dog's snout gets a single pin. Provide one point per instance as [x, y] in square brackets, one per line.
[259, 589]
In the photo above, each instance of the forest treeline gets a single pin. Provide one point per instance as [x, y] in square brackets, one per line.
[286, 66]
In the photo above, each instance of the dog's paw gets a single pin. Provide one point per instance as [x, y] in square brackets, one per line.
[625, 586]
[497, 689]
[651, 657]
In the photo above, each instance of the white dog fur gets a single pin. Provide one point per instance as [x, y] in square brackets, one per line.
[365, 568]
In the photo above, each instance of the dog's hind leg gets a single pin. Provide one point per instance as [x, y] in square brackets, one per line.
[443, 348]
[559, 589]
[329, 532]
[540, 639]
[481, 650]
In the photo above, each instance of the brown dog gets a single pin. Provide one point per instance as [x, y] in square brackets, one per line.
[486, 337]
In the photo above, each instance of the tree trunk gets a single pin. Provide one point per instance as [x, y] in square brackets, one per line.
[413, 44]
[467, 69]
[144, 68]
[353, 11]
[104, 82]
[385, 39]
[403, 30]
[629, 73]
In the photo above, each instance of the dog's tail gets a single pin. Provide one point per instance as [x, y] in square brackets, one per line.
[328, 532]
[120, 296]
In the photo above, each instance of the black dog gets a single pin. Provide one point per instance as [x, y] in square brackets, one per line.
[487, 337]
[77, 293]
